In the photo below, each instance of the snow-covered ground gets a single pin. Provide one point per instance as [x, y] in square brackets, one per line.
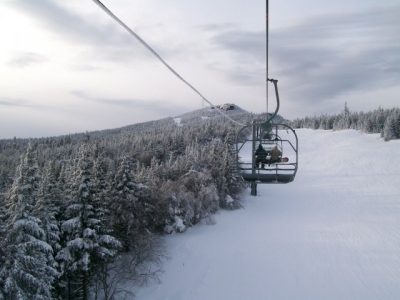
[177, 121]
[334, 233]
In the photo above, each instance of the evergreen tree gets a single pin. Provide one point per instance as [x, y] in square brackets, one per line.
[65, 184]
[26, 272]
[391, 129]
[344, 120]
[131, 213]
[47, 210]
[48, 206]
[86, 245]
[3, 216]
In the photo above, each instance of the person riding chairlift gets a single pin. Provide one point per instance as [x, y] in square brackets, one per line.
[275, 156]
[261, 157]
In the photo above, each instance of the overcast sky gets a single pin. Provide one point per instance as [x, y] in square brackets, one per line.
[66, 66]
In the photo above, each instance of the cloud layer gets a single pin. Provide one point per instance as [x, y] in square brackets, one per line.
[326, 56]
[320, 62]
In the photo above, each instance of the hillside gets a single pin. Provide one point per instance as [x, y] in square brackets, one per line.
[192, 116]
[118, 140]
[233, 111]
[117, 191]
[78, 206]
[331, 234]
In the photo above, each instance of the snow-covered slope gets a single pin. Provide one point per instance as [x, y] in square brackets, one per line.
[334, 233]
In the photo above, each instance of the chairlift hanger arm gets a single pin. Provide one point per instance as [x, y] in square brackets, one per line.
[275, 82]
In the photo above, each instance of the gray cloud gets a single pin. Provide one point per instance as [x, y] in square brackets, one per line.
[73, 26]
[218, 27]
[337, 54]
[26, 59]
[160, 107]
[325, 56]
[107, 42]
[248, 54]
[12, 102]
[244, 42]
[24, 103]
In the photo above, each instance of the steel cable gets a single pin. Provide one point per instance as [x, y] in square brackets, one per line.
[105, 9]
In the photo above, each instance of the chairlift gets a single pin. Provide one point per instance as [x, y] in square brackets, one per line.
[273, 157]
[278, 162]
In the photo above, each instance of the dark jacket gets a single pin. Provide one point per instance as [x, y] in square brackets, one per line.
[261, 154]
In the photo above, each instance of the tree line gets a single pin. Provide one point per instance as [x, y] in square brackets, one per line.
[386, 122]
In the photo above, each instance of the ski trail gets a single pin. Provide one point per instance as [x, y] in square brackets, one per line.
[334, 233]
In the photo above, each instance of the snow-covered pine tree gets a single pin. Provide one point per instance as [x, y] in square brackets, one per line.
[48, 211]
[25, 272]
[379, 119]
[3, 216]
[344, 120]
[102, 180]
[65, 184]
[218, 164]
[48, 205]
[124, 206]
[85, 246]
[367, 123]
[391, 129]
[131, 213]
[234, 185]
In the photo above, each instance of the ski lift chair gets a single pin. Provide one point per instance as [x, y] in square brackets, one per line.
[280, 169]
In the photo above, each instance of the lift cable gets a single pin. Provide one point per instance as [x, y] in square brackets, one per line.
[105, 9]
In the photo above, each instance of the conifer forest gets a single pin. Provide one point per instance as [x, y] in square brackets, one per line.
[82, 215]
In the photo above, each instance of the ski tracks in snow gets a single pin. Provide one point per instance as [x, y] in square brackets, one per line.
[347, 227]
[334, 233]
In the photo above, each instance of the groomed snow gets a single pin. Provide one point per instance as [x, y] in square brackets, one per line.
[334, 233]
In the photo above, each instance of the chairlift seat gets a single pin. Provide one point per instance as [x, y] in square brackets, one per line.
[268, 178]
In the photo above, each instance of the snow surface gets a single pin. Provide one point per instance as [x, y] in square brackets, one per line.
[334, 233]
[177, 121]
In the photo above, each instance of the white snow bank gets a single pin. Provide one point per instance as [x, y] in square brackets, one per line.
[177, 121]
